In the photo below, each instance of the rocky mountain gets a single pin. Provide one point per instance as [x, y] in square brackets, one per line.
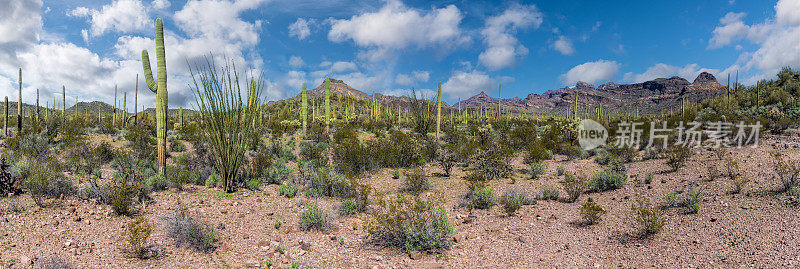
[337, 87]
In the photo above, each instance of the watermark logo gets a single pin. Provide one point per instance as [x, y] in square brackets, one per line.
[591, 134]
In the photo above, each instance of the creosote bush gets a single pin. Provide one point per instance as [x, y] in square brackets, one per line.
[689, 198]
[410, 224]
[481, 197]
[537, 169]
[314, 218]
[548, 193]
[649, 218]
[574, 186]
[513, 199]
[677, 156]
[416, 181]
[591, 212]
[134, 238]
[610, 178]
[288, 189]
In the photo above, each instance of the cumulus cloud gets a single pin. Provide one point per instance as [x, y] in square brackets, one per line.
[776, 39]
[296, 62]
[218, 19]
[410, 79]
[503, 48]
[463, 84]
[661, 70]
[123, 16]
[591, 72]
[563, 45]
[160, 4]
[300, 28]
[396, 26]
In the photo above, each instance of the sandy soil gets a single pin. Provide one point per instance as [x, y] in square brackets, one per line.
[759, 227]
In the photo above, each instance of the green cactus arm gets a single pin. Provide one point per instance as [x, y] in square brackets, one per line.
[148, 73]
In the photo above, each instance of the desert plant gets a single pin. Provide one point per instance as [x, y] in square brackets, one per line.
[649, 218]
[713, 172]
[350, 207]
[548, 193]
[416, 181]
[177, 146]
[560, 171]
[788, 171]
[314, 218]
[225, 119]
[738, 183]
[481, 197]
[537, 169]
[134, 238]
[189, 230]
[607, 179]
[591, 212]
[677, 156]
[410, 224]
[160, 89]
[396, 174]
[287, 189]
[513, 199]
[446, 158]
[574, 186]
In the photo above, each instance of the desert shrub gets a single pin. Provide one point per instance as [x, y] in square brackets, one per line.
[574, 186]
[410, 224]
[396, 174]
[416, 181]
[649, 218]
[481, 197]
[314, 218]
[677, 156]
[560, 171]
[140, 138]
[287, 189]
[513, 199]
[82, 158]
[620, 153]
[259, 163]
[648, 179]
[493, 163]
[788, 171]
[350, 157]
[125, 186]
[738, 182]
[154, 183]
[446, 159]
[213, 180]
[189, 230]
[53, 262]
[591, 212]
[548, 193]
[177, 146]
[536, 152]
[316, 132]
[134, 238]
[350, 207]
[607, 179]
[399, 149]
[314, 152]
[713, 172]
[30, 141]
[536, 170]
[277, 173]
[689, 198]
[178, 175]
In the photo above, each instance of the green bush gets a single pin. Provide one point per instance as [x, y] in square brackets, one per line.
[350, 207]
[410, 224]
[213, 180]
[536, 170]
[156, 182]
[314, 218]
[574, 186]
[134, 238]
[513, 199]
[677, 156]
[535, 152]
[650, 218]
[177, 146]
[591, 212]
[607, 180]
[416, 181]
[277, 173]
[548, 193]
[481, 197]
[314, 152]
[122, 191]
[560, 171]
[287, 189]
[689, 198]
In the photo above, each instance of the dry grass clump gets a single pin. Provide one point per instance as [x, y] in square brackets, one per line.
[410, 224]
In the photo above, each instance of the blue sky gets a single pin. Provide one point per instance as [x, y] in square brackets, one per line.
[392, 46]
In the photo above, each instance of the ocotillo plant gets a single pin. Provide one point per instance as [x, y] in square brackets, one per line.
[327, 106]
[438, 110]
[499, 110]
[180, 117]
[304, 109]
[160, 90]
[37, 105]
[124, 108]
[136, 102]
[19, 104]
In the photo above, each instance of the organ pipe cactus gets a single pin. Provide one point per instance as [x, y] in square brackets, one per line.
[114, 118]
[499, 103]
[160, 89]
[304, 112]
[19, 104]
[63, 103]
[327, 105]
[37, 105]
[5, 121]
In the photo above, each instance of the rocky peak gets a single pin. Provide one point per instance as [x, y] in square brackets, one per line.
[705, 79]
[584, 86]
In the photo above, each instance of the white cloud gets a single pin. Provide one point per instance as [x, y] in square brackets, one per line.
[160, 4]
[563, 45]
[300, 28]
[591, 72]
[661, 70]
[776, 39]
[338, 67]
[124, 16]
[219, 19]
[463, 84]
[296, 62]
[503, 48]
[410, 79]
[396, 26]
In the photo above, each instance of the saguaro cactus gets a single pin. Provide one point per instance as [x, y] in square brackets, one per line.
[327, 105]
[136, 102]
[499, 102]
[37, 105]
[160, 90]
[114, 118]
[438, 110]
[304, 112]
[63, 103]
[5, 121]
[19, 104]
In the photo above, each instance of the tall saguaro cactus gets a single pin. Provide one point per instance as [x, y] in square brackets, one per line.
[37, 105]
[438, 110]
[114, 118]
[136, 102]
[327, 106]
[19, 104]
[499, 102]
[63, 103]
[160, 90]
[575, 113]
[5, 121]
[304, 112]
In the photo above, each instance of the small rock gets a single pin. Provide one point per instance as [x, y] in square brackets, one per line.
[77, 218]
[71, 210]
[68, 244]
[483, 248]
[415, 255]
[333, 238]
[98, 217]
[378, 258]
[54, 222]
[305, 245]
[262, 243]
[460, 238]
[713, 219]
[522, 239]
[241, 216]
[25, 260]
[258, 200]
